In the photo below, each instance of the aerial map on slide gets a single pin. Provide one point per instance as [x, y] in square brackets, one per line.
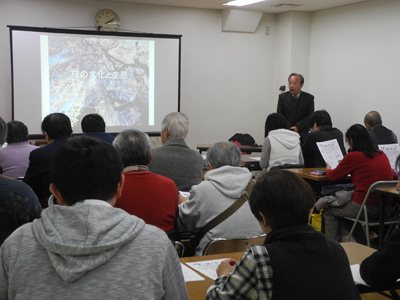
[99, 75]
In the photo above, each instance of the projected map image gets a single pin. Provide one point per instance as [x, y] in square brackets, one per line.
[99, 75]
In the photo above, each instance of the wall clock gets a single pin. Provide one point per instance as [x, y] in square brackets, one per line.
[106, 20]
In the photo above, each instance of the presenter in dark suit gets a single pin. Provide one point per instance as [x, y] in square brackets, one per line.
[296, 106]
[57, 129]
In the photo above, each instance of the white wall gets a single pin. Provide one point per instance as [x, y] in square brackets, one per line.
[230, 80]
[227, 77]
[292, 48]
[283, 63]
[355, 62]
[301, 41]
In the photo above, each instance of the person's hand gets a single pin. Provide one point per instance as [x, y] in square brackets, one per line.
[398, 186]
[328, 166]
[226, 266]
[294, 128]
[182, 199]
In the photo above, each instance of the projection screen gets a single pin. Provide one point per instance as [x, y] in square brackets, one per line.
[131, 79]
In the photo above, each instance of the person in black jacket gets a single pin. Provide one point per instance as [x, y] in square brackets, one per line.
[295, 261]
[321, 124]
[380, 135]
[296, 106]
[381, 269]
[57, 130]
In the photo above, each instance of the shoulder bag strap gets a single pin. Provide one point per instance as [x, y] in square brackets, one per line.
[224, 215]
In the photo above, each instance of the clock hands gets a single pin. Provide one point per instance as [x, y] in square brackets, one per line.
[113, 19]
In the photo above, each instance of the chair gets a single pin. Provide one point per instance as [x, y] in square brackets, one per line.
[232, 245]
[180, 248]
[287, 166]
[392, 219]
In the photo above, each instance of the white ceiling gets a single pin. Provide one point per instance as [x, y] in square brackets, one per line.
[267, 6]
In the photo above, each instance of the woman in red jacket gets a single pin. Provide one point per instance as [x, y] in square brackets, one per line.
[366, 165]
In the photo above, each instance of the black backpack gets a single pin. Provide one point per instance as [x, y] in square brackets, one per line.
[243, 139]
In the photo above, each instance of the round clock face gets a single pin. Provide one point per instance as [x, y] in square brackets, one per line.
[106, 20]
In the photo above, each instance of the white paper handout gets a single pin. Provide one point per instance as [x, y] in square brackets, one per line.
[258, 158]
[392, 151]
[206, 267]
[189, 274]
[355, 271]
[330, 152]
[185, 194]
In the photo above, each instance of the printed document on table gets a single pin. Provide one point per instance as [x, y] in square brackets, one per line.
[392, 151]
[330, 152]
[258, 158]
[207, 267]
[189, 274]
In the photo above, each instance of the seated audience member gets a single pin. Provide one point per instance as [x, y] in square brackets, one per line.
[379, 134]
[57, 129]
[85, 248]
[321, 124]
[366, 165]
[295, 261]
[381, 269]
[14, 159]
[151, 197]
[93, 125]
[281, 145]
[223, 184]
[175, 159]
[18, 205]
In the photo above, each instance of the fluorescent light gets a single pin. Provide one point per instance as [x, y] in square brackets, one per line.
[241, 2]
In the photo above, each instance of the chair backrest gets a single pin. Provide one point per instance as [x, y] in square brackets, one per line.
[363, 208]
[180, 248]
[383, 184]
[287, 166]
[377, 184]
[386, 184]
[232, 245]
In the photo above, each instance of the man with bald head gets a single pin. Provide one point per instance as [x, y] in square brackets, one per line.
[380, 135]
[296, 106]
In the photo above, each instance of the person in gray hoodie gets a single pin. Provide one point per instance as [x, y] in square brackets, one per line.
[223, 184]
[85, 248]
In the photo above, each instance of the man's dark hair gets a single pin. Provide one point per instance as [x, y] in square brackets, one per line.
[57, 125]
[93, 123]
[284, 199]
[321, 118]
[274, 121]
[86, 168]
[17, 132]
[361, 140]
[134, 147]
[295, 74]
[373, 118]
